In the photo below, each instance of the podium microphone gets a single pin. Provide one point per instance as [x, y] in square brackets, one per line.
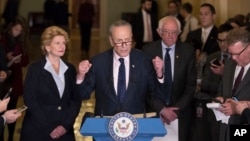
[106, 97]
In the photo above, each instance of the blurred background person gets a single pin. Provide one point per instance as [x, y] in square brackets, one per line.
[234, 23]
[191, 22]
[3, 70]
[49, 12]
[15, 44]
[86, 15]
[10, 11]
[61, 11]
[50, 92]
[144, 25]
[174, 10]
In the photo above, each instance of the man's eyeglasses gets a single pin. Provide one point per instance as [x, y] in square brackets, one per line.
[120, 44]
[221, 40]
[238, 54]
[168, 32]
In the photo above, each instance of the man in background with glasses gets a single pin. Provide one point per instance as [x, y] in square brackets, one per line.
[235, 79]
[123, 78]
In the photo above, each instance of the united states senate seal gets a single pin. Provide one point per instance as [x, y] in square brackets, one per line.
[123, 127]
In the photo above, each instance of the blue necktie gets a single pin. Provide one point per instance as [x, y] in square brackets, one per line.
[168, 75]
[121, 87]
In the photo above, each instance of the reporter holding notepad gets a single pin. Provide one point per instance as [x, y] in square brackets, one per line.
[9, 116]
[14, 40]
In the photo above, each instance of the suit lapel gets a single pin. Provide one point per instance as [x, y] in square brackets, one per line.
[50, 82]
[244, 82]
[108, 68]
[231, 78]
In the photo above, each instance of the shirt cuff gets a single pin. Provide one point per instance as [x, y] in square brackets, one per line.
[79, 81]
[4, 119]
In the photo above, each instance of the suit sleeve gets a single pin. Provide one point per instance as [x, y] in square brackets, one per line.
[245, 116]
[88, 84]
[1, 124]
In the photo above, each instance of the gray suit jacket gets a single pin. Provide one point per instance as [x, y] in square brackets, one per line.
[242, 93]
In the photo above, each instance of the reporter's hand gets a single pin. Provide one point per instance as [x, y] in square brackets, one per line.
[217, 69]
[3, 76]
[4, 104]
[240, 106]
[58, 132]
[11, 115]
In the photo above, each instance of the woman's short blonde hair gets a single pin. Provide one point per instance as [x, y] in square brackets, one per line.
[49, 33]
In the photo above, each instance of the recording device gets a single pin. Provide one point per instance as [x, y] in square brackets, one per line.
[22, 108]
[8, 93]
[215, 62]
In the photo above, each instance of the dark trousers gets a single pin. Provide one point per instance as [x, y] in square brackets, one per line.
[205, 126]
[85, 32]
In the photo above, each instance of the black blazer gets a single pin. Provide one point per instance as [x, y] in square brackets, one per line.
[1, 124]
[141, 86]
[138, 28]
[2, 59]
[184, 82]
[245, 116]
[211, 81]
[46, 110]
[211, 45]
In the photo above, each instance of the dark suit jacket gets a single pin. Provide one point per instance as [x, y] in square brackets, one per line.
[211, 45]
[184, 82]
[138, 28]
[210, 81]
[1, 124]
[245, 116]
[2, 59]
[142, 81]
[242, 93]
[46, 110]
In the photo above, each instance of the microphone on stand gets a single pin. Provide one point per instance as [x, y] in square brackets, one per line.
[106, 97]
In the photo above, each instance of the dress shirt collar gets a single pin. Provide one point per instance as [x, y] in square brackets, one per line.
[116, 57]
[63, 67]
[208, 30]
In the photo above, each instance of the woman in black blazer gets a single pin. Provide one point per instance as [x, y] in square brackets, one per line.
[50, 92]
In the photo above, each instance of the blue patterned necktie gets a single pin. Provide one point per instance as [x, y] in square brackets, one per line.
[168, 75]
[121, 87]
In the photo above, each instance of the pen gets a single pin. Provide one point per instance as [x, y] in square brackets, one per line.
[217, 101]
[235, 98]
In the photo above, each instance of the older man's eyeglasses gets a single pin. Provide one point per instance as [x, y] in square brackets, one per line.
[238, 54]
[127, 43]
[171, 33]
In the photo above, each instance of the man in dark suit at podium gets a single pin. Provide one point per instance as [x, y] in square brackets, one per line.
[115, 90]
